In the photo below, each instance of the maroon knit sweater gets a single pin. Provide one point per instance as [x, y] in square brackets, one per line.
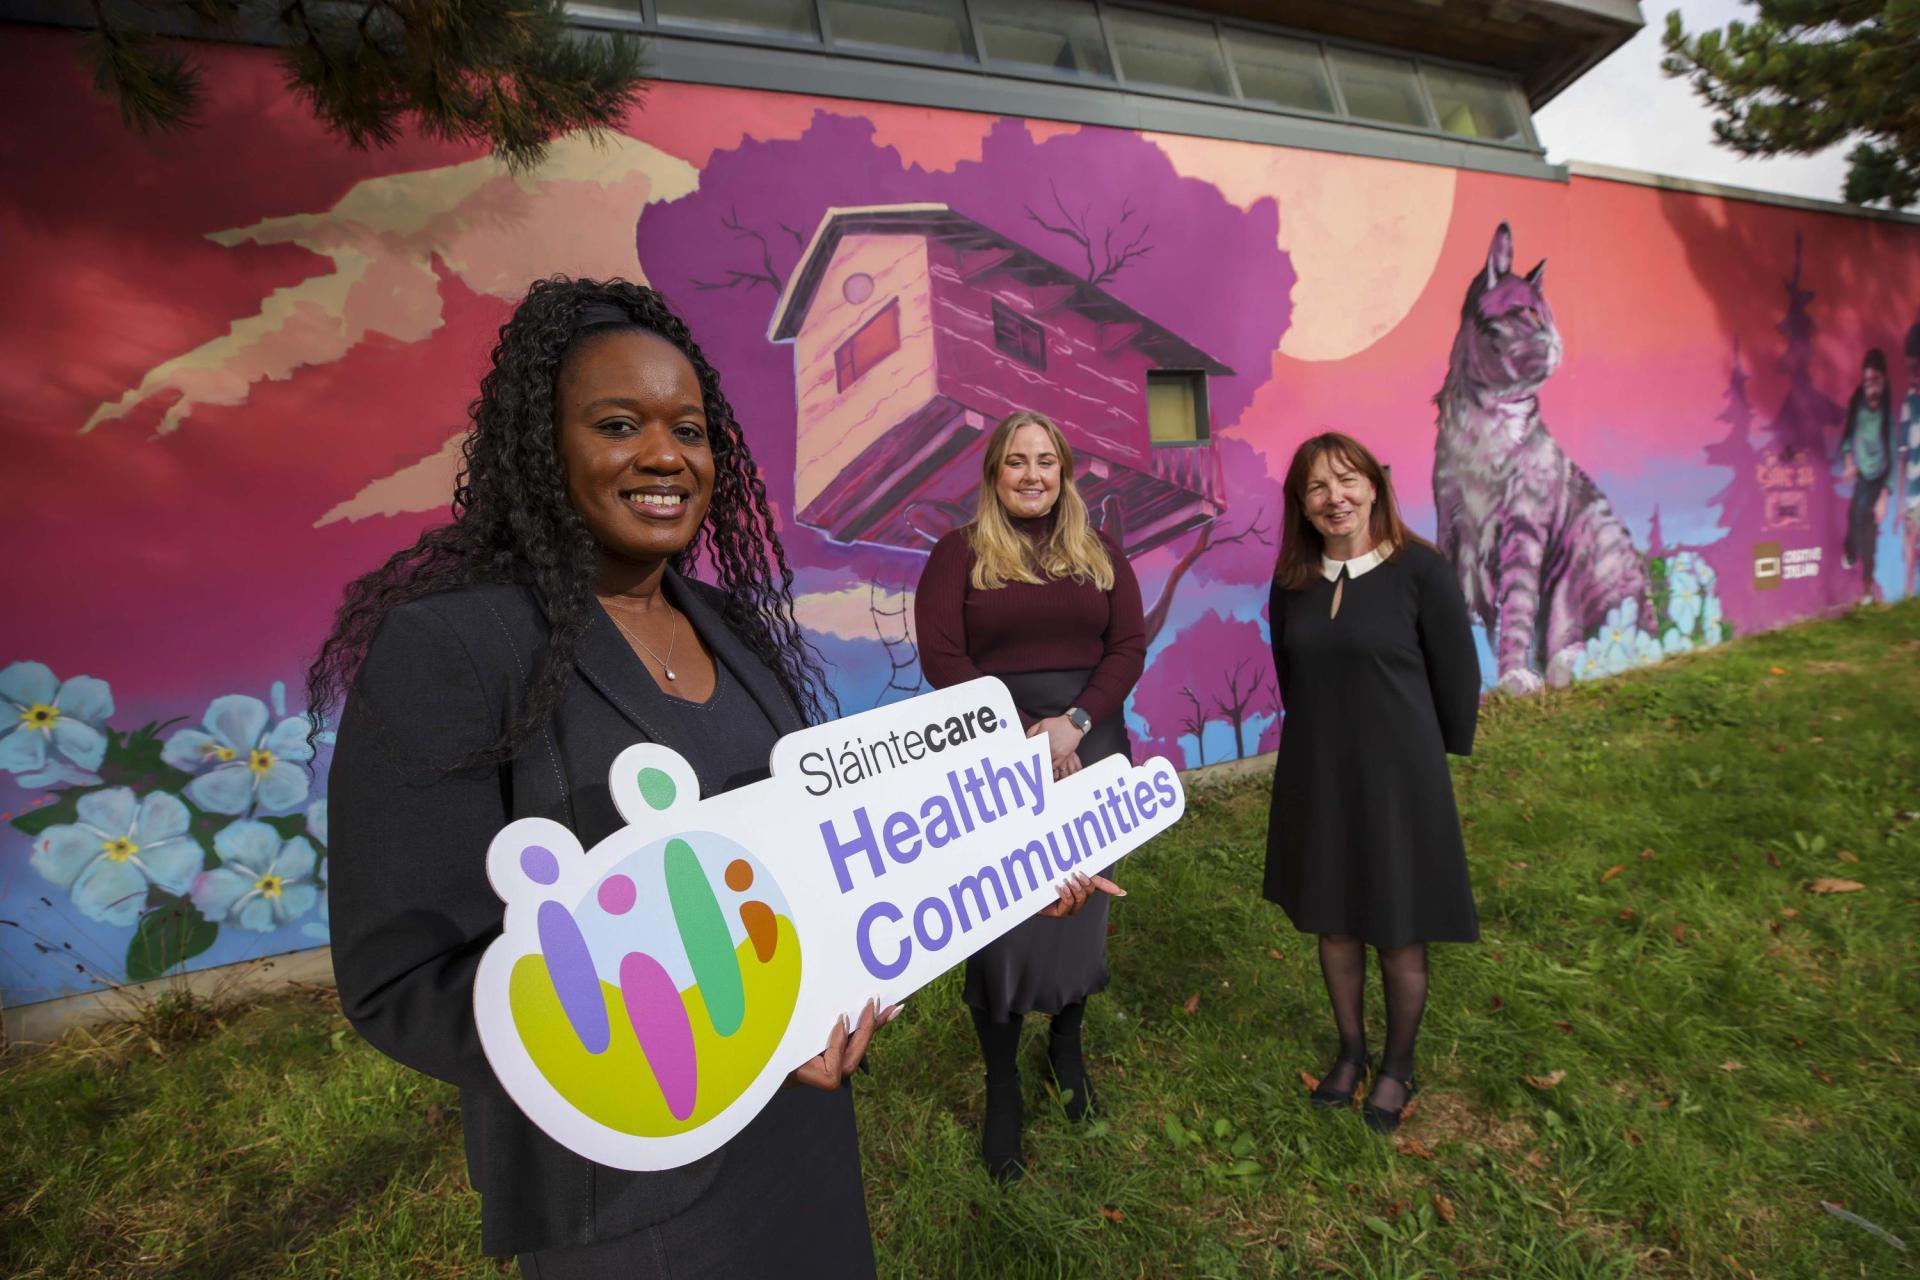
[1061, 625]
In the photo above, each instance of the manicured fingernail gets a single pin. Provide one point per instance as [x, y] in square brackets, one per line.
[892, 1013]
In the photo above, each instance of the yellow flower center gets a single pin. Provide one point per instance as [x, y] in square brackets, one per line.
[222, 754]
[119, 849]
[260, 761]
[269, 885]
[40, 716]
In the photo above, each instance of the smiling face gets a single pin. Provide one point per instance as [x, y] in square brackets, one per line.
[1028, 480]
[1339, 503]
[631, 429]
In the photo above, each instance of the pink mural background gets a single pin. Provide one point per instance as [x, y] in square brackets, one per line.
[238, 358]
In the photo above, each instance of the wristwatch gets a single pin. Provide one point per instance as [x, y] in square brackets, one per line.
[1078, 719]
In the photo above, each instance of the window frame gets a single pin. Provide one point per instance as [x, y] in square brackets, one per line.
[1202, 408]
[846, 365]
[1023, 326]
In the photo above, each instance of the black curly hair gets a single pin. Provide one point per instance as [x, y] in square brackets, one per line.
[512, 521]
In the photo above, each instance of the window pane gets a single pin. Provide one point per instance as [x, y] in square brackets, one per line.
[877, 339]
[1180, 53]
[1176, 406]
[1061, 35]
[1019, 337]
[1476, 106]
[1288, 73]
[789, 18]
[1377, 88]
[922, 26]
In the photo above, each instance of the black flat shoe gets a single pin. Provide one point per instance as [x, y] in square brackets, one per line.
[1000, 1134]
[1325, 1099]
[1380, 1119]
[1070, 1076]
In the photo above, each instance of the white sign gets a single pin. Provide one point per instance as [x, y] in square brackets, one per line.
[648, 995]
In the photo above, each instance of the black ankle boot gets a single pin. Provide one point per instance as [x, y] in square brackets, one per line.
[1000, 1134]
[1070, 1075]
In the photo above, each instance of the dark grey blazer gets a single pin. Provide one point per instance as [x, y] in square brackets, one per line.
[412, 909]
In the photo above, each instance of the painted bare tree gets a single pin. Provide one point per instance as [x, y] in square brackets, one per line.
[894, 626]
[753, 275]
[1195, 723]
[1104, 260]
[1208, 540]
[1242, 688]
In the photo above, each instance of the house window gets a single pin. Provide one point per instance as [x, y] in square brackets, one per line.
[1019, 337]
[1177, 406]
[792, 19]
[878, 338]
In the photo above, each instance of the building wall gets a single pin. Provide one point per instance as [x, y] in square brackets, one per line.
[835, 426]
[239, 360]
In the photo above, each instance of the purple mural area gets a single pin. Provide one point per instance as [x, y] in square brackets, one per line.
[873, 319]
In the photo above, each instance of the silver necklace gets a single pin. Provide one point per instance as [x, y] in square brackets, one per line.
[673, 633]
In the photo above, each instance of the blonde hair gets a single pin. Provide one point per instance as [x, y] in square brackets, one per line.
[1001, 554]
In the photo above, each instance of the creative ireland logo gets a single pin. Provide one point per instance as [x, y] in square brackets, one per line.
[647, 996]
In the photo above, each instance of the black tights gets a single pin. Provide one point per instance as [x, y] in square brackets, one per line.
[1403, 977]
[1000, 1041]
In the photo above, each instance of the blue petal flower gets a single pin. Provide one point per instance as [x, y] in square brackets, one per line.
[317, 819]
[62, 852]
[263, 884]
[85, 698]
[23, 749]
[237, 720]
[226, 789]
[109, 812]
[111, 892]
[190, 750]
[27, 684]
[282, 786]
[1674, 642]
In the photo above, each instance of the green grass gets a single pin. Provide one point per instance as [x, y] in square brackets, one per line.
[1736, 1048]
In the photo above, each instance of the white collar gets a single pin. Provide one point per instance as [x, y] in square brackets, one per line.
[1330, 568]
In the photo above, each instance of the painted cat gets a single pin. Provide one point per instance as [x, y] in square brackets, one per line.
[1540, 554]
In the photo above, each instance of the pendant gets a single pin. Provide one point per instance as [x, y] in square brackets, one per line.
[669, 671]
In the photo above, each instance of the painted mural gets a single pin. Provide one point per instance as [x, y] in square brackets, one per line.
[241, 373]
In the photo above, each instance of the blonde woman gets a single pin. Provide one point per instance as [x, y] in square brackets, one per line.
[1029, 592]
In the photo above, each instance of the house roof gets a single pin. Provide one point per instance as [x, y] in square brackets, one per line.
[1159, 344]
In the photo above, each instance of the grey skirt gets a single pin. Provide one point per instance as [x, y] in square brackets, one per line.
[1044, 965]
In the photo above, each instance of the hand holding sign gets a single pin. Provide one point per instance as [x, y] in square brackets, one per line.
[647, 997]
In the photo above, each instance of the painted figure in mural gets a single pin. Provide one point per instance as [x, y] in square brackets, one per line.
[1866, 458]
[1028, 592]
[1375, 660]
[1910, 459]
[492, 671]
[1540, 555]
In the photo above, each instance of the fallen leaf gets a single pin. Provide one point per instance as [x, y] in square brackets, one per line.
[1547, 1081]
[1626, 913]
[1537, 1160]
[1773, 927]
[1634, 1139]
[1826, 884]
[1409, 1111]
[1646, 855]
[1611, 872]
[1309, 1079]
[1825, 1078]
[1414, 1147]
[1112, 1214]
[1773, 859]
[1791, 913]
[1778, 748]
[1498, 1004]
[1680, 933]
[1846, 855]
[1564, 1026]
[1663, 1104]
[1498, 956]
[1732, 1064]
[1395, 1209]
[1776, 671]
[1193, 1003]
[1443, 1209]
[1796, 1042]
[1273, 953]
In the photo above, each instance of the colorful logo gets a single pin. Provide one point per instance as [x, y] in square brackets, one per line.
[663, 970]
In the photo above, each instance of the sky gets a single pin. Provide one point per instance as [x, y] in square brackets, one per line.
[1626, 113]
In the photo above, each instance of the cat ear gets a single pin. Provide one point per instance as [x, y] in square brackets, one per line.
[1500, 255]
[1538, 273]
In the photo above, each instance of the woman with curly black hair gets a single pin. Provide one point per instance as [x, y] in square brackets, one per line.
[492, 671]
